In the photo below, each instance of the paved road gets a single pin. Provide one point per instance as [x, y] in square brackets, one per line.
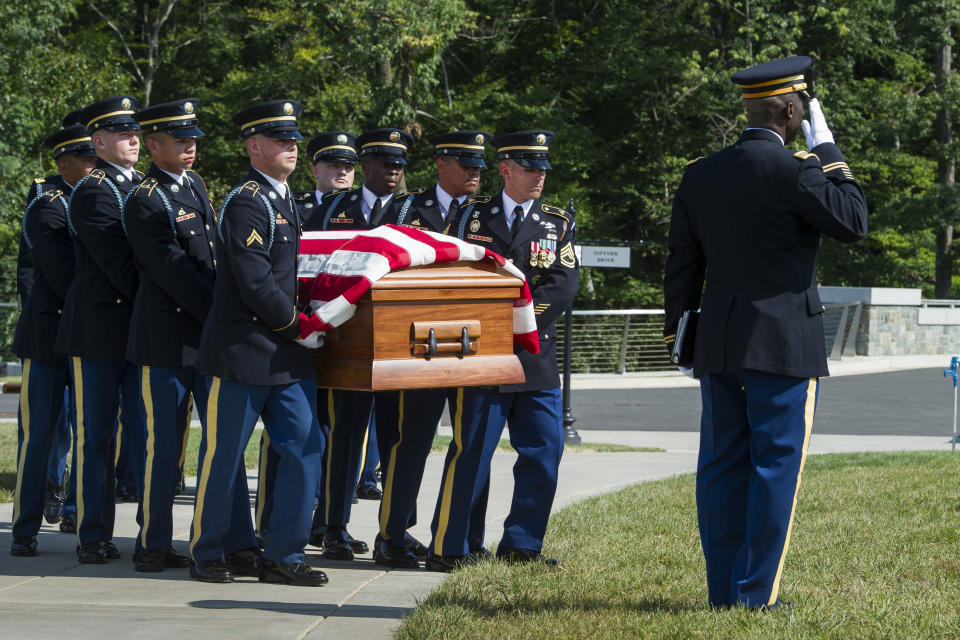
[915, 402]
[909, 402]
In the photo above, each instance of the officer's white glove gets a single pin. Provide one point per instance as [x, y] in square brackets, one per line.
[687, 371]
[312, 341]
[816, 130]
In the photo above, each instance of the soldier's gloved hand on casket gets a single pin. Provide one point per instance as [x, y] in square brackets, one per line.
[312, 341]
[311, 330]
[816, 130]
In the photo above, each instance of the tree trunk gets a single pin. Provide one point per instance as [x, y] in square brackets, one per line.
[946, 172]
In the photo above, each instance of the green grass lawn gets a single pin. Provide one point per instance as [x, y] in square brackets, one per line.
[875, 553]
[8, 454]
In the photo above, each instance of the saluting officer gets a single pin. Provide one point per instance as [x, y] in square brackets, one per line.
[747, 220]
[383, 155]
[407, 420]
[172, 228]
[252, 347]
[45, 371]
[96, 319]
[539, 240]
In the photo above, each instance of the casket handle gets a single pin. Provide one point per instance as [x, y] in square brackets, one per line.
[457, 338]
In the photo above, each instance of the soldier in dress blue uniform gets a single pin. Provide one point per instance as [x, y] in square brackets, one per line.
[41, 418]
[334, 157]
[748, 220]
[172, 227]
[383, 154]
[407, 420]
[539, 240]
[96, 318]
[259, 362]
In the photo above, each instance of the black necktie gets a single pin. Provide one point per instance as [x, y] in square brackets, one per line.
[517, 220]
[375, 212]
[452, 209]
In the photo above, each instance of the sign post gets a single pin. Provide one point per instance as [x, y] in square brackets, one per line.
[589, 256]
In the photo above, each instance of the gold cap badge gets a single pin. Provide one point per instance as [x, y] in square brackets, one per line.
[188, 107]
[342, 139]
[480, 139]
[287, 108]
[125, 103]
[541, 139]
[394, 137]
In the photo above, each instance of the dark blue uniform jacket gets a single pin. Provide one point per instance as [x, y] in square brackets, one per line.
[748, 219]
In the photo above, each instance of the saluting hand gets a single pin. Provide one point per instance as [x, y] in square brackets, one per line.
[816, 130]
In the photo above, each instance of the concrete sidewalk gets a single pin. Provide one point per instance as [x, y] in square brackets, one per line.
[51, 596]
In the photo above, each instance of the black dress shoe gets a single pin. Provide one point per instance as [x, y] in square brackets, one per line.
[245, 562]
[210, 571]
[90, 553]
[526, 556]
[446, 564]
[294, 573]
[24, 546]
[52, 504]
[369, 492]
[181, 486]
[388, 554]
[68, 524]
[148, 560]
[154, 560]
[110, 550]
[316, 538]
[480, 554]
[416, 547]
[338, 544]
[123, 493]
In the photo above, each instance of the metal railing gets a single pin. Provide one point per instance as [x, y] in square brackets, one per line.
[615, 341]
[841, 324]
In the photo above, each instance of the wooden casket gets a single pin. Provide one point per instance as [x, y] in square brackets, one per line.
[441, 325]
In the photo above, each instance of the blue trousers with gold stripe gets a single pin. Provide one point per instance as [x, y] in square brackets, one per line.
[370, 462]
[101, 390]
[289, 418]
[166, 401]
[754, 433]
[40, 417]
[407, 422]
[62, 440]
[347, 414]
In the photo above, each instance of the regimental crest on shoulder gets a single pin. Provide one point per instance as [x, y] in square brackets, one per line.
[344, 190]
[301, 196]
[417, 191]
[478, 199]
[147, 185]
[53, 195]
[39, 180]
[97, 174]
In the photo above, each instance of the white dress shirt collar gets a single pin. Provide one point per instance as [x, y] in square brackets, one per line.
[369, 198]
[127, 173]
[509, 204]
[444, 199]
[176, 178]
[281, 187]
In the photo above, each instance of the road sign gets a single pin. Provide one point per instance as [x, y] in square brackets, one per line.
[611, 257]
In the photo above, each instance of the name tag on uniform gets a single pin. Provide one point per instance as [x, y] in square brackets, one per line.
[186, 216]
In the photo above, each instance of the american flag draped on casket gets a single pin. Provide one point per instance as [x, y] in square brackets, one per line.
[336, 269]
